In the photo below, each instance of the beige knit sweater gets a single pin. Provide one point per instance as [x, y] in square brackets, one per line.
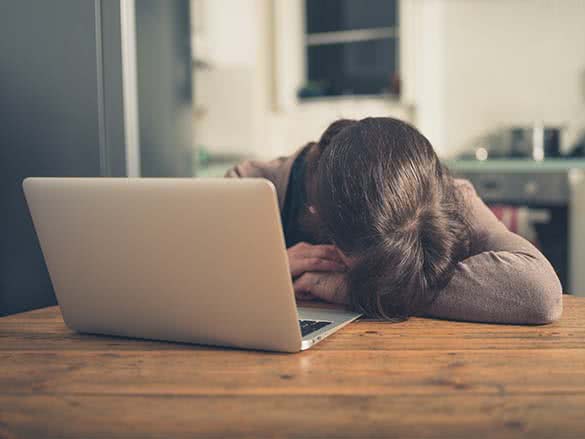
[505, 279]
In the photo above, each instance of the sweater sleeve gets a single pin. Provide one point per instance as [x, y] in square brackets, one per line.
[505, 280]
[247, 169]
[277, 171]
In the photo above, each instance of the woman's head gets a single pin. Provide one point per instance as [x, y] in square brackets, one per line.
[388, 204]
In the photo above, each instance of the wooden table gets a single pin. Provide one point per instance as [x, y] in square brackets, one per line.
[420, 378]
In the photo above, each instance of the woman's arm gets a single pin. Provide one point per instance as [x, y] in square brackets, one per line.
[277, 171]
[506, 280]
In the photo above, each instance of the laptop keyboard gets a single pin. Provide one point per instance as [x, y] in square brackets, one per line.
[308, 326]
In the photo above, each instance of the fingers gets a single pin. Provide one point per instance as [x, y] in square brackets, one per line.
[304, 257]
[305, 250]
[303, 295]
[325, 252]
[330, 287]
[304, 284]
[304, 265]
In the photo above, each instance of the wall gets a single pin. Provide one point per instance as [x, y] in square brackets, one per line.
[164, 87]
[246, 100]
[504, 63]
[468, 67]
[230, 92]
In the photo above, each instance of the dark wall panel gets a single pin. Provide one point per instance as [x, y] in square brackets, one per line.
[50, 125]
[61, 111]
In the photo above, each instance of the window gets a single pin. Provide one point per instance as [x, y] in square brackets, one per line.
[351, 48]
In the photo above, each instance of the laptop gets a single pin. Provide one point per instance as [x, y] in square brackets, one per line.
[187, 260]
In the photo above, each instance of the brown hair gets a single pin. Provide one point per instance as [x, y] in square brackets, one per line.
[386, 201]
[316, 149]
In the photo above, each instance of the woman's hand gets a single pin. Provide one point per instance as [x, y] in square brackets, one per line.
[331, 287]
[306, 258]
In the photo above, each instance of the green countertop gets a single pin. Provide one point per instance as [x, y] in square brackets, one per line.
[515, 165]
[217, 168]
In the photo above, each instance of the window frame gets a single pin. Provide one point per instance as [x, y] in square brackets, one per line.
[319, 39]
[289, 64]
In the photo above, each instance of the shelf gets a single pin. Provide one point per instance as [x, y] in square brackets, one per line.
[350, 36]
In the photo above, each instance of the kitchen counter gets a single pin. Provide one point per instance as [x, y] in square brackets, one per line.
[514, 165]
[217, 168]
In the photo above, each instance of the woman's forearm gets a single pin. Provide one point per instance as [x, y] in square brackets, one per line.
[505, 280]
[501, 287]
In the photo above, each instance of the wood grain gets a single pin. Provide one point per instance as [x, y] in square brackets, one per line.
[420, 378]
[313, 373]
[360, 416]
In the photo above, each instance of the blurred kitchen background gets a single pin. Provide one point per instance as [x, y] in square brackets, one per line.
[188, 88]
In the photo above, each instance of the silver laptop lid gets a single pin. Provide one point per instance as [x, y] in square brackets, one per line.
[194, 260]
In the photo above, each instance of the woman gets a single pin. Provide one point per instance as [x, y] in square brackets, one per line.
[372, 219]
